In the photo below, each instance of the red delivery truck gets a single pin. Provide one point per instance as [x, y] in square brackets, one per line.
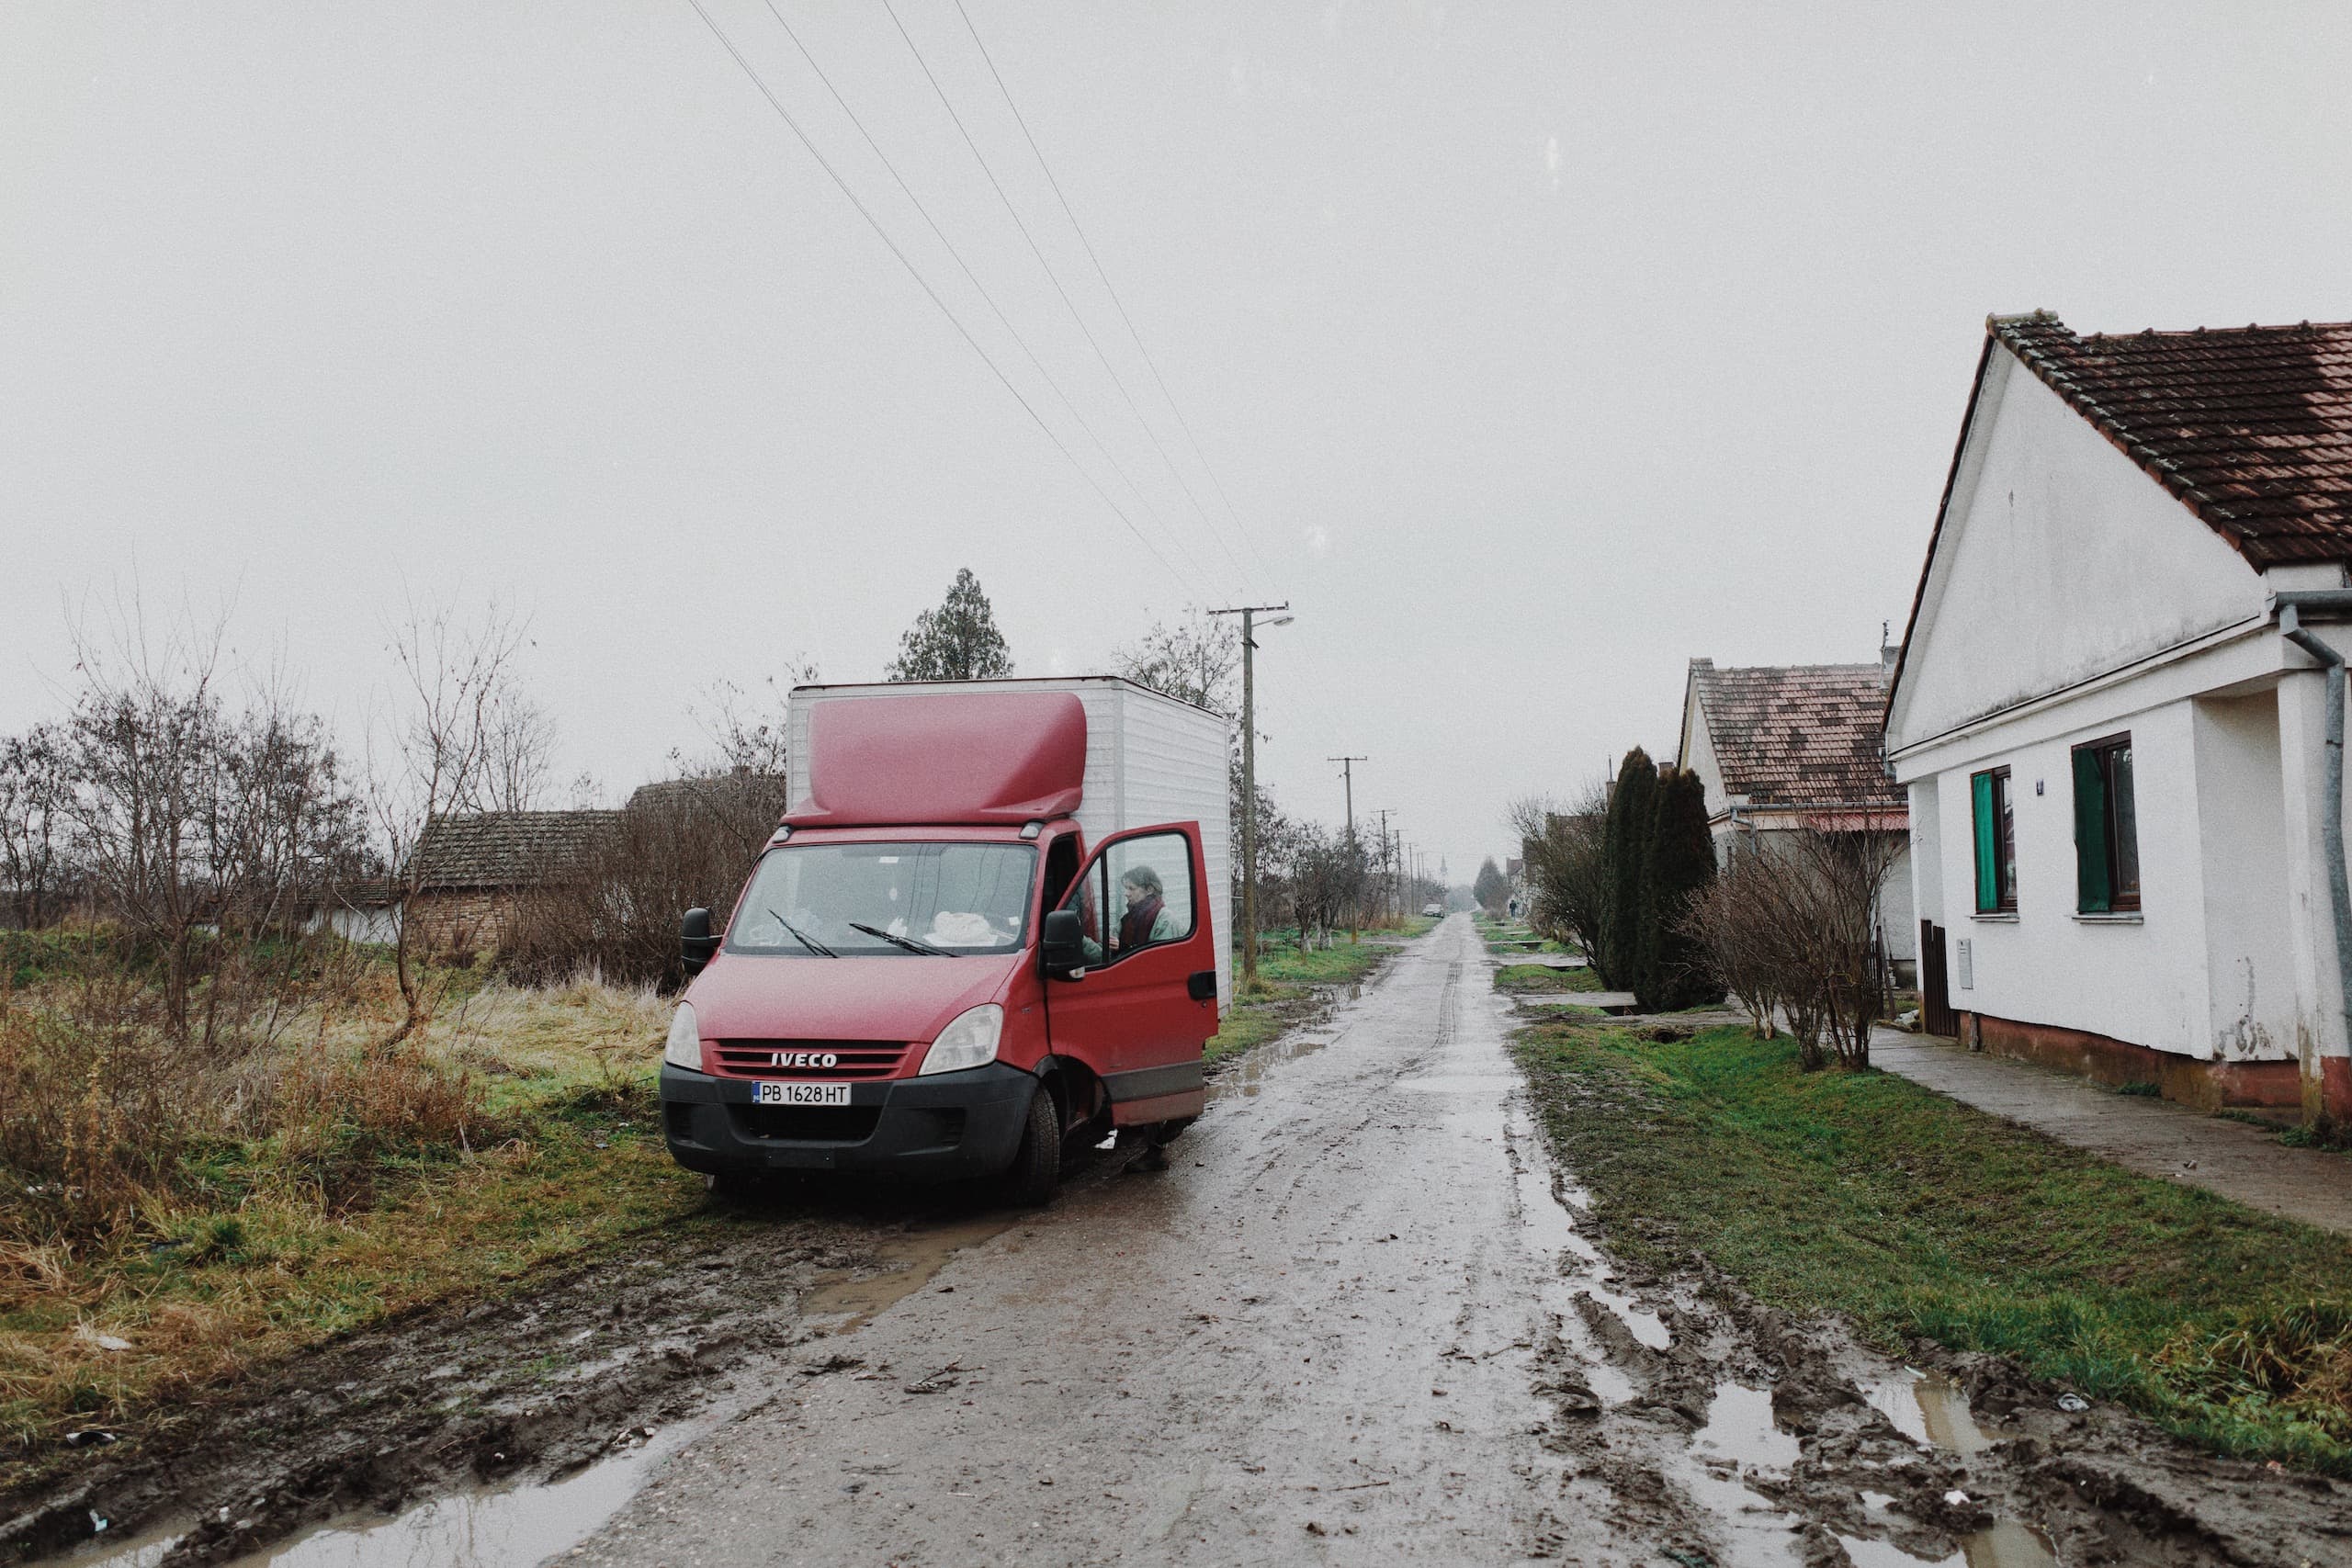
[992, 926]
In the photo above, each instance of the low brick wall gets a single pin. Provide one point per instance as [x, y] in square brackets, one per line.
[2206, 1084]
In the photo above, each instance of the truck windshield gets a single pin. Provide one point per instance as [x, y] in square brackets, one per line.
[959, 898]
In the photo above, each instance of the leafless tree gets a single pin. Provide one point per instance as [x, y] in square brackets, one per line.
[36, 793]
[518, 755]
[1789, 926]
[200, 828]
[145, 738]
[1196, 659]
[1567, 879]
[455, 696]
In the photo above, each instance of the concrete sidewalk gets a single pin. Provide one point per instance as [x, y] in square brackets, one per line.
[2157, 1137]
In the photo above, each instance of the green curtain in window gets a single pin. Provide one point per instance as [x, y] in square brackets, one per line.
[1989, 844]
[2094, 888]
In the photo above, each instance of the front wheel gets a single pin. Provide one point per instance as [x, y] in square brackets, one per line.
[1038, 1164]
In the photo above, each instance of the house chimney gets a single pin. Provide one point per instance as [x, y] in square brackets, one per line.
[1888, 651]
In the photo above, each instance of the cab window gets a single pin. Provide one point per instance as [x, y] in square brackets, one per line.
[1137, 894]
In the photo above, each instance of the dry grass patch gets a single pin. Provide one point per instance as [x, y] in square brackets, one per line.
[302, 1188]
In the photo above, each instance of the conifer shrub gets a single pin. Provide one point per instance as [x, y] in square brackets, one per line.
[1624, 850]
[1673, 971]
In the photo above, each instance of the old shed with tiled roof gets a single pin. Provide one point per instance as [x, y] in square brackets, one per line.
[475, 872]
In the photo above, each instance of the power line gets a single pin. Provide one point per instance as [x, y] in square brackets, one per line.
[924, 284]
[1117, 303]
[1055, 279]
[978, 287]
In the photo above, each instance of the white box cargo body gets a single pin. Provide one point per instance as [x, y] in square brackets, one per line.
[1149, 759]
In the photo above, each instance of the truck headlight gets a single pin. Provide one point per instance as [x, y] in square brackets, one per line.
[969, 1041]
[685, 1049]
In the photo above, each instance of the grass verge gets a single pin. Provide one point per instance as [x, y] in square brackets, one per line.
[1536, 978]
[248, 1254]
[1866, 1195]
[1287, 980]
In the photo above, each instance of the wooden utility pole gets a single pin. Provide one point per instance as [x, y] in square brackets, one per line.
[1249, 613]
[1348, 772]
[1387, 867]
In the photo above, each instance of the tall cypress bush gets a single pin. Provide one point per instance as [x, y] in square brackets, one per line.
[1626, 851]
[1671, 972]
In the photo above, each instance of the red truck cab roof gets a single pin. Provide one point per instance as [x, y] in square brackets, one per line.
[943, 759]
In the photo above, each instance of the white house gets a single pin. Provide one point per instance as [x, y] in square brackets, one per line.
[1787, 745]
[2114, 717]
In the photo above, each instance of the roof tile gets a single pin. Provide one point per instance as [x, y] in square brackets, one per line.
[2250, 427]
[1793, 735]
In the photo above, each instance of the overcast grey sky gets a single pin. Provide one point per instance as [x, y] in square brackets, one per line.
[1539, 347]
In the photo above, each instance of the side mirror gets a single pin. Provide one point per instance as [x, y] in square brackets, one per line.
[1062, 945]
[696, 946]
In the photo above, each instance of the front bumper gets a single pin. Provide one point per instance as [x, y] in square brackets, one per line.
[954, 1126]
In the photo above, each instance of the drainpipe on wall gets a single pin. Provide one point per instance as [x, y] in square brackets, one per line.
[2288, 607]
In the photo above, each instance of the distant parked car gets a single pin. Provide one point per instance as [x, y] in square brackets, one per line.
[1438, 910]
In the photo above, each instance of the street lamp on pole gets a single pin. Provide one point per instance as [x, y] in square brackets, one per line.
[1249, 624]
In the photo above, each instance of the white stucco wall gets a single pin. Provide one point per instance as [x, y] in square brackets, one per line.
[2140, 981]
[2059, 560]
[2224, 959]
[2249, 954]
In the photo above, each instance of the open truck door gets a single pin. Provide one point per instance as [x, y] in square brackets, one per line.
[1138, 1004]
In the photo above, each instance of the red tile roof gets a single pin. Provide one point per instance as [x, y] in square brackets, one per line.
[2251, 427]
[1795, 734]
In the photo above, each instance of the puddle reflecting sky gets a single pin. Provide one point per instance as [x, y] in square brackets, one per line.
[479, 1529]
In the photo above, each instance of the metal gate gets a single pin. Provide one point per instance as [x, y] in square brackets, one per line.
[1936, 1014]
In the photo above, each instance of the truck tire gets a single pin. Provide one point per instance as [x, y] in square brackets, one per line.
[1038, 1164]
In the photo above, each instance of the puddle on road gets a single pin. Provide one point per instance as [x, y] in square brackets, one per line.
[529, 1522]
[1933, 1411]
[1929, 1408]
[2006, 1545]
[482, 1529]
[523, 1522]
[862, 1297]
[1246, 1080]
[1572, 1266]
[1464, 1083]
[1738, 1440]
[1740, 1429]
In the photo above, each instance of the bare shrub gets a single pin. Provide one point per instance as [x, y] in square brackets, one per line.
[685, 843]
[461, 725]
[1790, 928]
[1568, 877]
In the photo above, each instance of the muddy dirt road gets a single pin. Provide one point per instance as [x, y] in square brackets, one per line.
[1361, 1319]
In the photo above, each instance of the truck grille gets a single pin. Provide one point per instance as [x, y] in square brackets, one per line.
[854, 1060]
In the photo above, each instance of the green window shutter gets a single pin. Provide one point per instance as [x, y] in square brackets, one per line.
[2094, 888]
[1989, 844]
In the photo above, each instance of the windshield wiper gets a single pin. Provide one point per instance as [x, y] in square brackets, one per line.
[819, 948]
[910, 944]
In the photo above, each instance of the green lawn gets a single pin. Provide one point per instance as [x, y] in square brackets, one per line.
[1866, 1195]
